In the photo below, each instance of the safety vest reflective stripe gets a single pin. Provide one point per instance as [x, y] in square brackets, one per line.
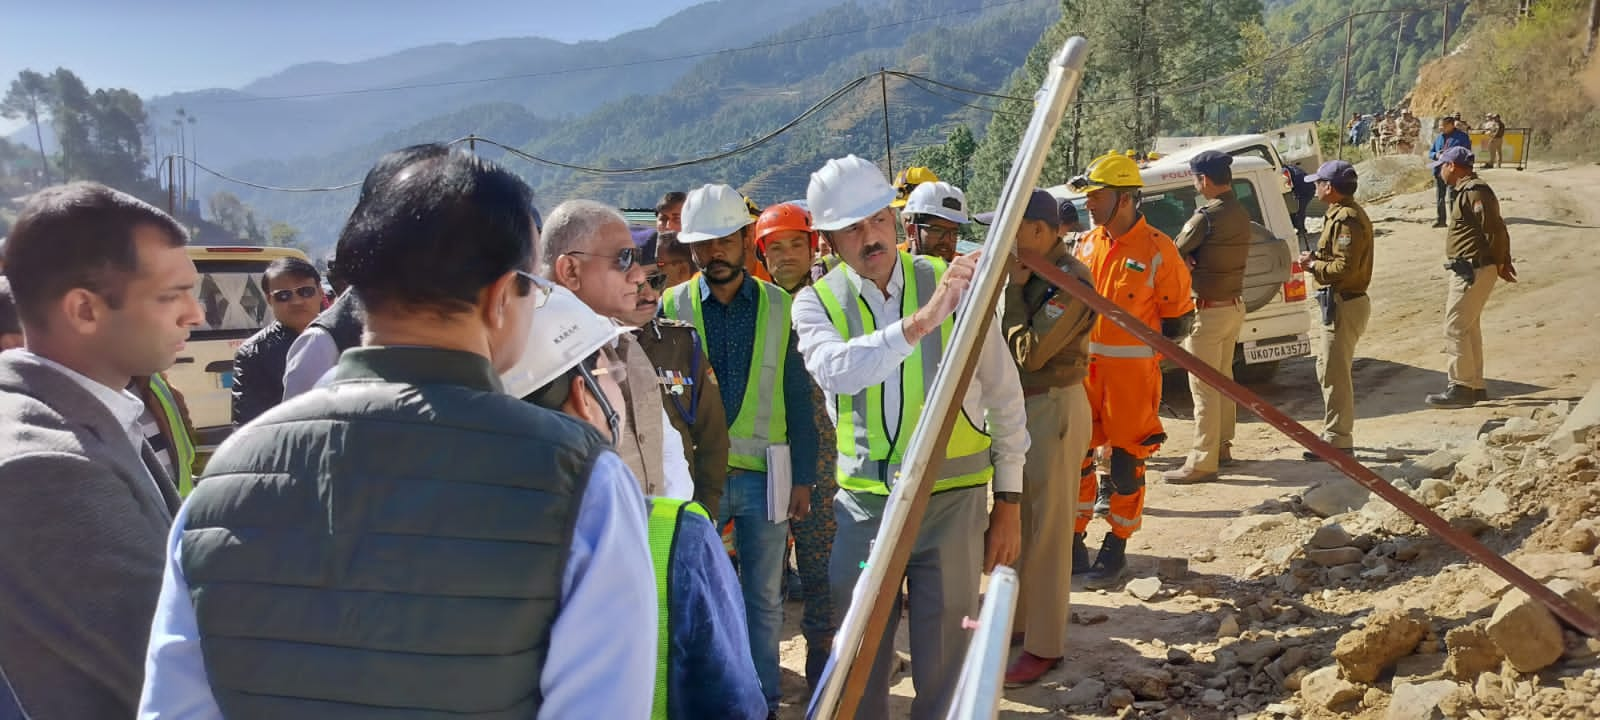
[1121, 351]
[183, 452]
[869, 459]
[1155, 268]
[665, 513]
[762, 420]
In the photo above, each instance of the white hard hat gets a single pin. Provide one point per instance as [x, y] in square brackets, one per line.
[846, 191]
[566, 332]
[939, 199]
[711, 212]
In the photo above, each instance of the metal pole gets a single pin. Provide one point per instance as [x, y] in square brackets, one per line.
[1077, 133]
[1339, 459]
[1399, 30]
[472, 143]
[1444, 36]
[979, 687]
[888, 150]
[171, 187]
[1344, 89]
[1594, 27]
[844, 680]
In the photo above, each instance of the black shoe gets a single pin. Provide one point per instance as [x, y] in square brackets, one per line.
[1309, 456]
[816, 661]
[1481, 395]
[1438, 223]
[1110, 564]
[1080, 554]
[1454, 397]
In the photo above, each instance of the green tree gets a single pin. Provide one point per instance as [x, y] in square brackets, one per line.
[29, 97]
[282, 234]
[231, 214]
[951, 161]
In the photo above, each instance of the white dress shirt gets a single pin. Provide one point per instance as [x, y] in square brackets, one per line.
[842, 366]
[679, 482]
[125, 407]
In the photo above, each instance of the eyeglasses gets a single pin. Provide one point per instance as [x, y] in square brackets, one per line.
[656, 281]
[625, 258]
[304, 291]
[536, 283]
[936, 232]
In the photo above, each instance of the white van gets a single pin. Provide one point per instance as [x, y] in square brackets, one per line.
[1277, 325]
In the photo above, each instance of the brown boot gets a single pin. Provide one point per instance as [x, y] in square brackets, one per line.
[1028, 668]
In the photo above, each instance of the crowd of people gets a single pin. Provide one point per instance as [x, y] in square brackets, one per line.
[549, 466]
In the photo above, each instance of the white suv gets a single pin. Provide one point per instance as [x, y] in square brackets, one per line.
[1277, 325]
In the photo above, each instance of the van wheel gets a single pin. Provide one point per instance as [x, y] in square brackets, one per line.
[1255, 373]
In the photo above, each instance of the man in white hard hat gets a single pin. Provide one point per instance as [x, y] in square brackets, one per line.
[872, 332]
[933, 215]
[772, 438]
[586, 247]
[703, 666]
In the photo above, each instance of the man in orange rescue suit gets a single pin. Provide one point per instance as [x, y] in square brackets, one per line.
[1138, 268]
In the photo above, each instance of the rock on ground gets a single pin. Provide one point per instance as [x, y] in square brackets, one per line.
[1253, 524]
[1334, 557]
[1364, 653]
[1086, 692]
[1335, 496]
[1525, 632]
[1324, 688]
[1331, 536]
[1418, 701]
[1491, 502]
[1575, 429]
[1470, 651]
[1144, 588]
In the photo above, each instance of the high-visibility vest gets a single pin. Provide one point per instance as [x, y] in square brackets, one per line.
[869, 460]
[183, 452]
[761, 420]
[665, 515]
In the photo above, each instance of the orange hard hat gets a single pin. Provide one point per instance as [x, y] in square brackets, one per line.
[781, 217]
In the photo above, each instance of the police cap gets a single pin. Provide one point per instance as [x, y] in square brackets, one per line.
[1211, 163]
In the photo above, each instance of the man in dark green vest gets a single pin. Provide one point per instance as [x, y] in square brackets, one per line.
[410, 541]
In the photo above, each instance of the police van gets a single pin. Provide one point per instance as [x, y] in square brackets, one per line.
[1277, 325]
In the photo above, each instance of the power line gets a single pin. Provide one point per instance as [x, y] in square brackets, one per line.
[618, 65]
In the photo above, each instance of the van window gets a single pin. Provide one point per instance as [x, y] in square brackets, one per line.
[1169, 210]
[230, 294]
[1257, 151]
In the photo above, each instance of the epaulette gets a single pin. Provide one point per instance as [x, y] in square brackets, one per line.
[670, 323]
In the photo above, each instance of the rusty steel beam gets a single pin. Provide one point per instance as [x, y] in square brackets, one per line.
[1344, 462]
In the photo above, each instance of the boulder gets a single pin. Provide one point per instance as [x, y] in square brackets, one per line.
[1324, 689]
[1119, 698]
[1575, 428]
[1419, 701]
[1251, 652]
[1144, 588]
[1229, 627]
[1490, 503]
[1364, 653]
[1086, 692]
[1439, 465]
[1576, 594]
[1470, 651]
[1335, 556]
[1345, 573]
[1526, 633]
[1331, 536]
[1335, 496]
[1431, 492]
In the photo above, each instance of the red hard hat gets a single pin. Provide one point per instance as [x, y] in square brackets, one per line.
[783, 217]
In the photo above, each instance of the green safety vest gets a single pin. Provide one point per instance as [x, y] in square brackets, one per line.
[761, 421]
[868, 458]
[665, 514]
[183, 452]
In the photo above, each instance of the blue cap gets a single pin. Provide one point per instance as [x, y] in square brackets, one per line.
[1337, 171]
[1210, 162]
[646, 240]
[1041, 206]
[1456, 155]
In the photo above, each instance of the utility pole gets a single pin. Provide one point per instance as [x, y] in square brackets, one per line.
[472, 143]
[194, 152]
[1444, 36]
[1344, 89]
[1399, 30]
[172, 188]
[888, 150]
[1075, 157]
[1594, 27]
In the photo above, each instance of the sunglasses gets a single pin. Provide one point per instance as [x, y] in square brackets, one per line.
[656, 281]
[625, 258]
[304, 291]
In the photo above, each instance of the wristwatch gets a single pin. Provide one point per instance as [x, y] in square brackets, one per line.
[1008, 497]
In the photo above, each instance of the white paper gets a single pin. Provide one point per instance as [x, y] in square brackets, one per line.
[780, 480]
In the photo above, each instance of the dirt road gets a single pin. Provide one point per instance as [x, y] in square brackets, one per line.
[1541, 341]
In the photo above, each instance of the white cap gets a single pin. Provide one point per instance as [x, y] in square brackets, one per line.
[846, 191]
[565, 333]
[711, 212]
[939, 199]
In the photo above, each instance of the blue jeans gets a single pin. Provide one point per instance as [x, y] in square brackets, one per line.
[760, 545]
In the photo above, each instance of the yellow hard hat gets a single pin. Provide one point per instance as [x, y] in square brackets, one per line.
[1109, 171]
[908, 180]
[750, 205]
[1132, 153]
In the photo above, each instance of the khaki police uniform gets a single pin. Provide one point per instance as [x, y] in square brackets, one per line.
[1217, 242]
[693, 405]
[1047, 331]
[1477, 238]
[1342, 263]
[1495, 130]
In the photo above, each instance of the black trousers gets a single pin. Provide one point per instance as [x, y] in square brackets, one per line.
[1442, 194]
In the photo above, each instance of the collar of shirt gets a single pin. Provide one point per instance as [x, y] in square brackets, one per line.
[747, 289]
[418, 366]
[124, 406]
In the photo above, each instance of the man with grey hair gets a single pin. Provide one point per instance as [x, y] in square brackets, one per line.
[586, 248]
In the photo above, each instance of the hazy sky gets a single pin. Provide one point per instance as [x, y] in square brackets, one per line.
[161, 46]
